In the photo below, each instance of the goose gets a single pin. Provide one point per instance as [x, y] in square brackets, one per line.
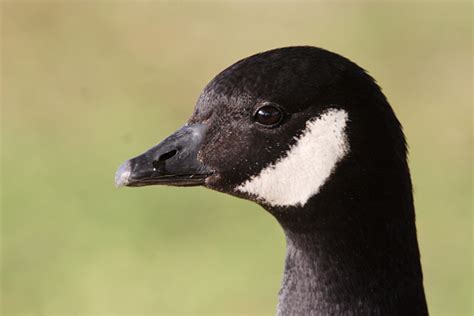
[309, 136]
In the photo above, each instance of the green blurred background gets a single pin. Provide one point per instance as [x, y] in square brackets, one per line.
[87, 84]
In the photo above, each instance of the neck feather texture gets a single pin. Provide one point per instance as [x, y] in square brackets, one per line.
[368, 271]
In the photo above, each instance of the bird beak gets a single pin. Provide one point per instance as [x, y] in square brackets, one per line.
[172, 162]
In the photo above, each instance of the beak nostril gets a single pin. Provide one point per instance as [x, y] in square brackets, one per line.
[167, 155]
[159, 163]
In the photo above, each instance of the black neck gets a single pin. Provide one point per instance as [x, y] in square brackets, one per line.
[371, 270]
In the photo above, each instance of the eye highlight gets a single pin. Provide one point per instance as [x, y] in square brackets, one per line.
[268, 115]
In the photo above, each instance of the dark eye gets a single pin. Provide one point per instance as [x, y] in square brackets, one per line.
[268, 115]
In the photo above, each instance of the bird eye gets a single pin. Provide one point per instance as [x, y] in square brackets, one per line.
[268, 115]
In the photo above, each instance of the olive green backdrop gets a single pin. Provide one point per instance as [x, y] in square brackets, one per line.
[87, 84]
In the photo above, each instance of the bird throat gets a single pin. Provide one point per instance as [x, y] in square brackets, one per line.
[368, 270]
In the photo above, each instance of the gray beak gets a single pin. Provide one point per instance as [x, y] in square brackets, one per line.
[172, 162]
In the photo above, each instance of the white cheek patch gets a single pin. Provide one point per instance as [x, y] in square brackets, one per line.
[306, 166]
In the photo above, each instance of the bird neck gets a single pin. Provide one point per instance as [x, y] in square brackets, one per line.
[352, 270]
